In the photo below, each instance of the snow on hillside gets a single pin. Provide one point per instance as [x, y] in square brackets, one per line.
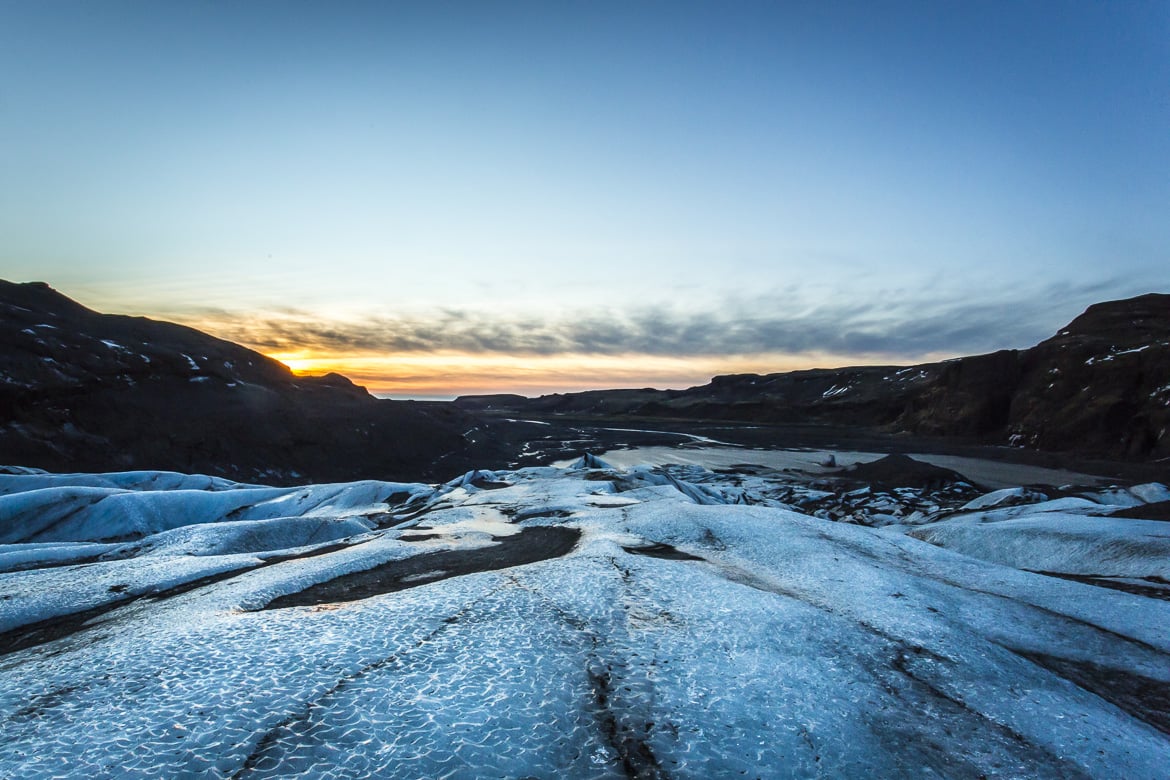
[587, 622]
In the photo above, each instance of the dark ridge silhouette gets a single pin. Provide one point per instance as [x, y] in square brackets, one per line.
[1099, 387]
[83, 391]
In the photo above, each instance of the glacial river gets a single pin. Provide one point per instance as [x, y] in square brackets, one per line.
[989, 473]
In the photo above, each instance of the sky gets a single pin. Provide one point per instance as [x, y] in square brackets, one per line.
[439, 198]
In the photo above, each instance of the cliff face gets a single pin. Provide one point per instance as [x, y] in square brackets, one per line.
[82, 391]
[1100, 386]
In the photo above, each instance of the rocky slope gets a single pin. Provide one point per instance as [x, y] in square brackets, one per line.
[86, 391]
[1100, 386]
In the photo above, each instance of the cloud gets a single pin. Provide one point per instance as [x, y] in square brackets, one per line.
[901, 328]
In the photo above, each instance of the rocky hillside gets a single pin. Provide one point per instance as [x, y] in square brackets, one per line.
[1100, 386]
[82, 391]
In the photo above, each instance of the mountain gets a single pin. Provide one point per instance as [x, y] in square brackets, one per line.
[83, 391]
[1100, 386]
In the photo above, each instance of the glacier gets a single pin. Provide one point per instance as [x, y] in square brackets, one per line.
[588, 621]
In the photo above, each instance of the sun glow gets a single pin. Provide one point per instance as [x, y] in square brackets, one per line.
[302, 363]
[447, 373]
[453, 373]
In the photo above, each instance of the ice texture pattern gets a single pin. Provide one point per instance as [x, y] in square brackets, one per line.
[700, 627]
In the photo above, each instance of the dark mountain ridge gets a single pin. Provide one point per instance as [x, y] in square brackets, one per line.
[83, 391]
[1100, 386]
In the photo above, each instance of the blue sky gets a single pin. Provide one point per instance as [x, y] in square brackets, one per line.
[544, 196]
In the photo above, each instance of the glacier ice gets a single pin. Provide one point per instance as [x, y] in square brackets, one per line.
[775, 644]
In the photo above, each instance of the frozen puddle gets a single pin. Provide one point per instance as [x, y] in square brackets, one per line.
[585, 623]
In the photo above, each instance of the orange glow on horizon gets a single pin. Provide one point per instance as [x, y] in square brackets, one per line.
[450, 373]
[453, 374]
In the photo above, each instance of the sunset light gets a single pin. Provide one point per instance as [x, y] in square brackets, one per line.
[581, 389]
[450, 373]
[557, 197]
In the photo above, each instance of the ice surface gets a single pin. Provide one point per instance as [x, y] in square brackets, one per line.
[682, 637]
[1061, 542]
[1006, 497]
[14, 557]
[1151, 492]
[1135, 495]
[83, 513]
[31, 479]
[243, 536]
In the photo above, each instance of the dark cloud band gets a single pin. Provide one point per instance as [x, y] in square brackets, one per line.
[888, 328]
